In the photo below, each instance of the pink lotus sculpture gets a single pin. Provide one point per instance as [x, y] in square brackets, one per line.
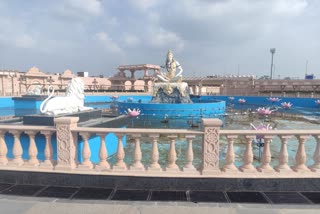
[317, 102]
[274, 99]
[133, 113]
[231, 98]
[242, 101]
[286, 105]
[261, 127]
[264, 111]
[114, 98]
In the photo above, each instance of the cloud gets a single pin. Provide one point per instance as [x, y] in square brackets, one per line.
[289, 7]
[90, 7]
[107, 41]
[24, 41]
[144, 4]
[165, 39]
[131, 40]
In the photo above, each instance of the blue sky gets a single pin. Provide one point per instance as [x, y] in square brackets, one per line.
[207, 37]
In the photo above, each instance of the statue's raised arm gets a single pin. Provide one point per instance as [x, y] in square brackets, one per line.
[171, 66]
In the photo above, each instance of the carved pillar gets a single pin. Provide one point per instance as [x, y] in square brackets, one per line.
[154, 166]
[33, 151]
[301, 156]
[248, 156]
[86, 152]
[120, 164]
[316, 156]
[137, 155]
[266, 156]
[48, 151]
[146, 73]
[188, 167]
[17, 149]
[210, 146]
[172, 155]
[66, 143]
[229, 166]
[103, 154]
[283, 166]
[3, 149]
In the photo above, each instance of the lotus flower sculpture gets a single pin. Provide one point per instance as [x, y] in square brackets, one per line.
[264, 111]
[133, 113]
[274, 99]
[261, 127]
[114, 98]
[242, 101]
[286, 105]
[231, 98]
[317, 102]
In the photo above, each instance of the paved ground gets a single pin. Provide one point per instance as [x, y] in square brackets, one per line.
[15, 198]
[33, 205]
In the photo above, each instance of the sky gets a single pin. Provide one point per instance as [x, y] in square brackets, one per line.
[207, 37]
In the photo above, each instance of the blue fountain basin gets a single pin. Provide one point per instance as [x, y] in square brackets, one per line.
[181, 110]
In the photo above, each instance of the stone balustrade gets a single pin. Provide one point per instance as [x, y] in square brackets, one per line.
[214, 162]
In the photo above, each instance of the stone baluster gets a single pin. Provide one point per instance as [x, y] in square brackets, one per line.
[17, 149]
[248, 156]
[66, 143]
[266, 156]
[86, 152]
[33, 151]
[210, 146]
[172, 154]
[137, 155]
[229, 166]
[188, 167]
[48, 151]
[154, 166]
[301, 156]
[283, 166]
[3, 149]
[316, 156]
[120, 164]
[103, 154]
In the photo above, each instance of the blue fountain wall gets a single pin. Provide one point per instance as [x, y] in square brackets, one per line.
[263, 101]
[6, 106]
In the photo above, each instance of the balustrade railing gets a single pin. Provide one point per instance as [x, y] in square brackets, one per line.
[213, 161]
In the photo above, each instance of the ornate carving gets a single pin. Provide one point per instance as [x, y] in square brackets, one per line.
[63, 137]
[211, 148]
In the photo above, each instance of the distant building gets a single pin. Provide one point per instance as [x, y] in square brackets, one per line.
[309, 77]
[83, 74]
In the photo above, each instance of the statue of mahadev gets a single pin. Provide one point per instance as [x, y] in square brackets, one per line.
[171, 66]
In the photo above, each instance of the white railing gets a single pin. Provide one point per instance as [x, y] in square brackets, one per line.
[211, 165]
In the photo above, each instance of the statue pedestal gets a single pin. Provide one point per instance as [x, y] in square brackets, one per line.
[177, 92]
[48, 120]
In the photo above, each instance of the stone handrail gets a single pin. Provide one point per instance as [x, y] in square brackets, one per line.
[67, 133]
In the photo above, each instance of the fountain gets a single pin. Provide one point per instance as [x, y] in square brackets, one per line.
[171, 98]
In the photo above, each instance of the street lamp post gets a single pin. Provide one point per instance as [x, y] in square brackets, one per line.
[12, 75]
[272, 51]
[22, 80]
[95, 83]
